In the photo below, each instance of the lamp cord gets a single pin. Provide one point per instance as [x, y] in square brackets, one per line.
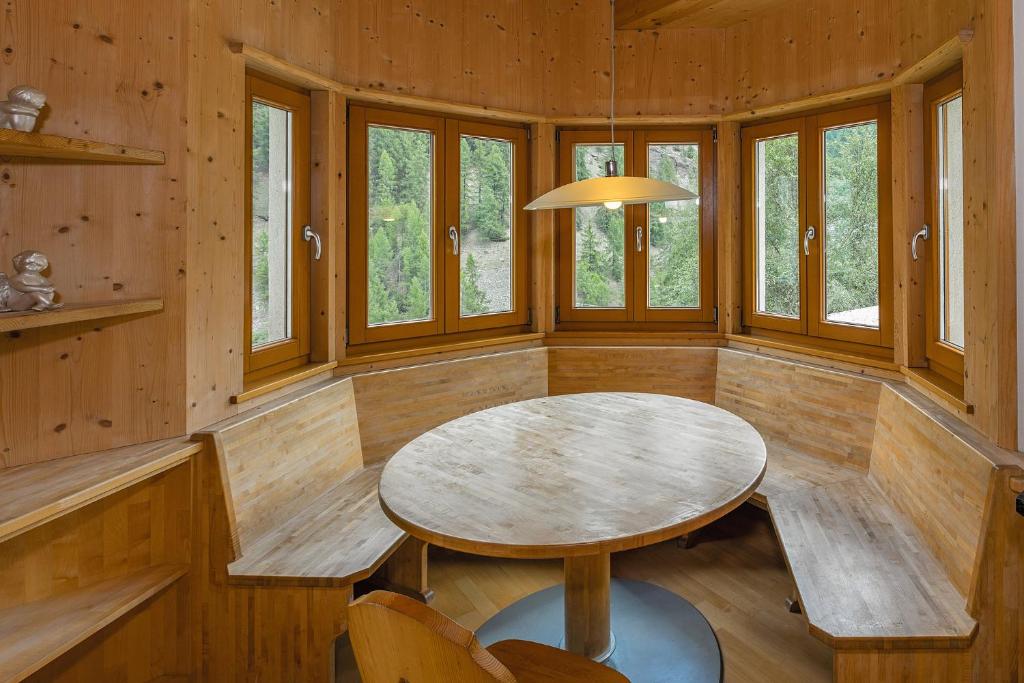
[612, 98]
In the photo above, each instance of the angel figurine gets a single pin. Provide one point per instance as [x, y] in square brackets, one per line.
[22, 108]
[29, 289]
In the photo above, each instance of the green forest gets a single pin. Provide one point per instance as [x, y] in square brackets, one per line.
[674, 239]
[399, 222]
[850, 203]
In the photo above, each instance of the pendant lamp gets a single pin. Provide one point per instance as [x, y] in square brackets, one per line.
[612, 190]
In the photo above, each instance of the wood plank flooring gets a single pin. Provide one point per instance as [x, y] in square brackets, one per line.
[736, 576]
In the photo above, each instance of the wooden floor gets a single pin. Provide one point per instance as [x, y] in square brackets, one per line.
[736, 576]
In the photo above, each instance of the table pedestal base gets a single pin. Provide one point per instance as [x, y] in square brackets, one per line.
[659, 636]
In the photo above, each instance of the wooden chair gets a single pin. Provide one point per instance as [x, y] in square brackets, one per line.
[397, 639]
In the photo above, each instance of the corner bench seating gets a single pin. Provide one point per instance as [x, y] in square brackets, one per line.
[883, 504]
[882, 526]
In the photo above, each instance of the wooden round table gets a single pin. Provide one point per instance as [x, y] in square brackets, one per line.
[579, 477]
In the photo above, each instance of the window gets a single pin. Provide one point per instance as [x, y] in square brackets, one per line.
[438, 239]
[816, 210]
[277, 208]
[944, 214]
[642, 263]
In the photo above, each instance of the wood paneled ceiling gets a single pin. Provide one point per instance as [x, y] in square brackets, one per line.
[650, 14]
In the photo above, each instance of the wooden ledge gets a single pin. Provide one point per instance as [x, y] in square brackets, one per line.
[282, 379]
[35, 494]
[939, 389]
[16, 143]
[357, 363]
[37, 633]
[842, 360]
[76, 313]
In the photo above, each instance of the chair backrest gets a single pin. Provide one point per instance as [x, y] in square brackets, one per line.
[276, 458]
[397, 639]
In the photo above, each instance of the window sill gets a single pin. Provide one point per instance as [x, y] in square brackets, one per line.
[360, 362]
[842, 360]
[266, 385]
[938, 388]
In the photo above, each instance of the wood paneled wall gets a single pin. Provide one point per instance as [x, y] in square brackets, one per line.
[162, 76]
[112, 71]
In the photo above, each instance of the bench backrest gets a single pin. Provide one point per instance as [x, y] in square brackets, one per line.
[824, 413]
[276, 458]
[937, 471]
[396, 406]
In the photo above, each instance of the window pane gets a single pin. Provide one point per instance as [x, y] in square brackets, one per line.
[486, 225]
[851, 224]
[400, 207]
[271, 224]
[951, 222]
[778, 226]
[673, 256]
[600, 258]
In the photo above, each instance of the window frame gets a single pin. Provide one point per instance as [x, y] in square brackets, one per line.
[447, 320]
[813, 322]
[944, 358]
[636, 313]
[292, 352]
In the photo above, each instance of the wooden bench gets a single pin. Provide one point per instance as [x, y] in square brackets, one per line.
[881, 503]
[299, 522]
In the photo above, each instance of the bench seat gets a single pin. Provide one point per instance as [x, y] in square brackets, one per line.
[341, 537]
[864, 577]
[789, 471]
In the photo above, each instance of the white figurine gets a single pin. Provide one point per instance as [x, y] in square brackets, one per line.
[29, 289]
[22, 107]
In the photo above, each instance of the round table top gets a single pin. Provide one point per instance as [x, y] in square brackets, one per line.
[573, 475]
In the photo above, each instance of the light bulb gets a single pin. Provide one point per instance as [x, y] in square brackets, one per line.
[611, 206]
[663, 219]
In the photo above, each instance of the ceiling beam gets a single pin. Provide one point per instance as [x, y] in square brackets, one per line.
[647, 14]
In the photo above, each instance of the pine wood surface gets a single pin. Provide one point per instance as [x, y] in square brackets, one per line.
[31, 495]
[338, 538]
[39, 632]
[76, 313]
[735, 575]
[16, 143]
[618, 471]
[866, 578]
[397, 405]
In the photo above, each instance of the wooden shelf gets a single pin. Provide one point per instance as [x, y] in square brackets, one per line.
[39, 632]
[31, 495]
[76, 313]
[15, 143]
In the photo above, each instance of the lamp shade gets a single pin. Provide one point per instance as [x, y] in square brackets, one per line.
[625, 189]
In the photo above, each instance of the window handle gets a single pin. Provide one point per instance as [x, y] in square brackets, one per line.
[453, 235]
[922, 234]
[639, 239]
[318, 247]
[809, 234]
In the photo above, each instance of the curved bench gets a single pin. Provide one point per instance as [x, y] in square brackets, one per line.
[888, 510]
